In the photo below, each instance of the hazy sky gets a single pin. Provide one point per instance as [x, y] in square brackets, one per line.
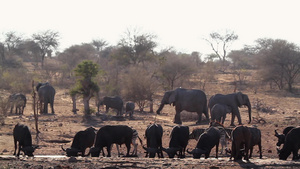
[182, 24]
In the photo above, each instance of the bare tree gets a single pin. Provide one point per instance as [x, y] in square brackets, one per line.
[220, 43]
[139, 86]
[47, 41]
[279, 61]
[136, 47]
[175, 67]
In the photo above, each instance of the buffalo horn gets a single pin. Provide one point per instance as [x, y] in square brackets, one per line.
[62, 148]
[278, 150]
[276, 134]
[196, 151]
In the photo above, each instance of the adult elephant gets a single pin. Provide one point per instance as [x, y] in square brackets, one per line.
[191, 100]
[234, 100]
[114, 102]
[46, 95]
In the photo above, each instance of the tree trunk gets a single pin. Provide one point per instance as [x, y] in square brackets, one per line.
[74, 104]
[86, 105]
[151, 106]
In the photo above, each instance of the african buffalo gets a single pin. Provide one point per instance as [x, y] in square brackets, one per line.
[207, 140]
[153, 135]
[281, 137]
[22, 135]
[291, 144]
[196, 133]
[178, 142]
[108, 135]
[81, 141]
[255, 140]
[241, 136]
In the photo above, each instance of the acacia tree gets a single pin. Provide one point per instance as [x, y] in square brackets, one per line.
[136, 48]
[220, 44]
[85, 85]
[47, 41]
[279, 61]
[174, 68]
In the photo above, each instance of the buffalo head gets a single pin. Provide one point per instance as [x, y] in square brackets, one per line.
[28, 150]
[172, 151]
[71, 152]
[95, 151]
[196, 152]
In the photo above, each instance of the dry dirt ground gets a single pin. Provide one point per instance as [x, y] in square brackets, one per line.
[59, 128]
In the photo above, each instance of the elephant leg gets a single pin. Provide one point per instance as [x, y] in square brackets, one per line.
[177, 119]
[106, 111]
[45, 111]
[239, 118]
[232, 119]
[52, 108]
[11, 109]
[40, 105]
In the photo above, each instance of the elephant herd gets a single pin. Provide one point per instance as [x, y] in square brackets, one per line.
[193, 100]
[190, 100]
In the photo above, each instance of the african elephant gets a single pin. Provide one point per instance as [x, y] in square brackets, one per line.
[46, 95]
[129, 108]
[218, 112]
[234, 100]
[18, 101]
[114, 102]
[190, 100]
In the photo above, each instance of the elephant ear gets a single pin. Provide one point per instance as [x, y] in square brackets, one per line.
[172, 97]
[239, 96]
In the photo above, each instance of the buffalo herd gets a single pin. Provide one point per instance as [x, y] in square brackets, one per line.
[243, 140]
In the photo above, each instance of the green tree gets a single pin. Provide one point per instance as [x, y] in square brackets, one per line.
[85, 86]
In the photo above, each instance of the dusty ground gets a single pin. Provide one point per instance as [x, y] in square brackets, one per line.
[61, 127]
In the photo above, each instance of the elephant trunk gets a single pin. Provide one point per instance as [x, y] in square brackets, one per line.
[160, 108]
[249, 111]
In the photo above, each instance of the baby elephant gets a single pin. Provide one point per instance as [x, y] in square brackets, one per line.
[218, 112]
[129, 108]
